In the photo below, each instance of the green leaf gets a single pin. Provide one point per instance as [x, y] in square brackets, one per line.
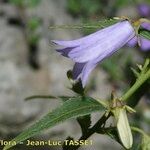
[40, 97]
[73, 108]
[63, 98]
[93, 25]
[145, 33]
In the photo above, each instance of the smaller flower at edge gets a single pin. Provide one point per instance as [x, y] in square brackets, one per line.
[88, 51]
[144, 11]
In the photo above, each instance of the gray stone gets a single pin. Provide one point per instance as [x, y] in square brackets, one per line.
[128, 11]
[9, 11]
[18, 80]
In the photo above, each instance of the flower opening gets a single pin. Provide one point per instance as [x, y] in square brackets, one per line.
[88, 51]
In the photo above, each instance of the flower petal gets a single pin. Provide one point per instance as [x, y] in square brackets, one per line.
[81, 41]
[77, 69]
[146, 25]
[64, 51]
[108, 41]
[86, 71]
[88, 51]
[132, 42]
[83, 70]
[145, 44]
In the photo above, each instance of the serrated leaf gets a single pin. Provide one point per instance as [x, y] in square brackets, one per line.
[107, 22]
[145, 33]
[69, 109]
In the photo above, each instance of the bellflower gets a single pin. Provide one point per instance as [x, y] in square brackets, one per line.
[88, 51]
[144, 11]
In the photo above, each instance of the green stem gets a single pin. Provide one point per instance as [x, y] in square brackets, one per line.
[90, 131]
[138, 83]
[138, 130]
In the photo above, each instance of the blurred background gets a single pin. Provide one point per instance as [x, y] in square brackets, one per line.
[29, 64]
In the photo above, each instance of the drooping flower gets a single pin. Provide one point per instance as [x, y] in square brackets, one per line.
[88, 51]
[144, 11]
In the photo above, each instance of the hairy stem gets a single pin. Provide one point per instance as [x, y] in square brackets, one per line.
[141, 79]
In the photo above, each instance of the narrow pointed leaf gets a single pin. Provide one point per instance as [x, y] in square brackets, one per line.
[69, 109]
[49, 97]
[92, 25]
[40, 97]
